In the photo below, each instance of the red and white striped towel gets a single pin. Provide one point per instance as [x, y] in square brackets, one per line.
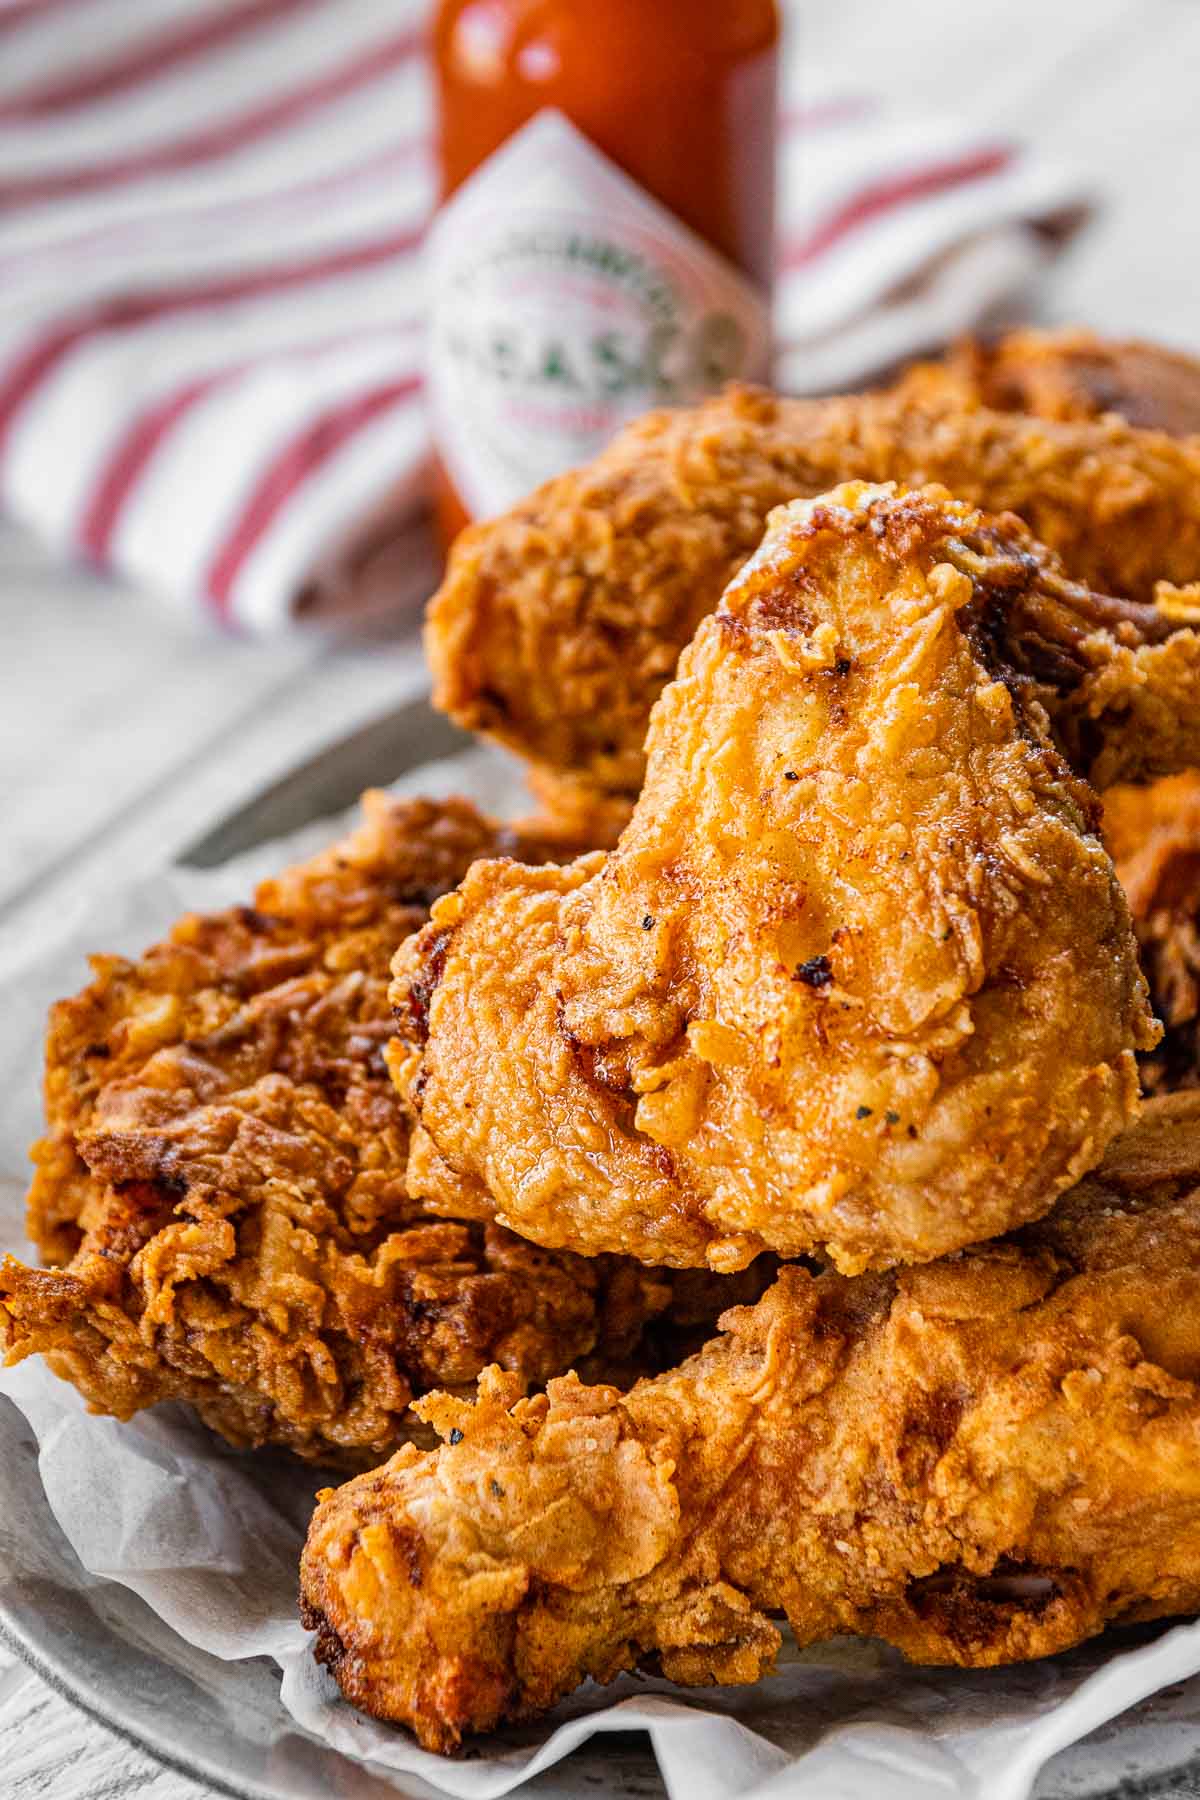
[210, 279]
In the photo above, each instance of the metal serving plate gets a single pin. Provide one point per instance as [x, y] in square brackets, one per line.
[223, 1723]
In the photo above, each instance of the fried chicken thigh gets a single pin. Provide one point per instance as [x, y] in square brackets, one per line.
[859, 975]
[559, 622]
[1154, 837]
[223, 1178]
[981, 1461]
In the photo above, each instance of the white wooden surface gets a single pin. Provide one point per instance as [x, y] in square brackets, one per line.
[124, 732]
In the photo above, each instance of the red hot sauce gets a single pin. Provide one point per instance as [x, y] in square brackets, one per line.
[605, 239]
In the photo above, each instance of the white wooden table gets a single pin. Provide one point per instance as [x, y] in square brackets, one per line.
[123, 733]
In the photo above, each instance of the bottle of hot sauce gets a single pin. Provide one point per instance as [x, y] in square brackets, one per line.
[604, 243]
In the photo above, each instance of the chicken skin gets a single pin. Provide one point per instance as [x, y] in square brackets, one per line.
[981, 1461]
[1067, 374]
[223, 1179]
[1154, 837]
[859, 976]
[559, 623]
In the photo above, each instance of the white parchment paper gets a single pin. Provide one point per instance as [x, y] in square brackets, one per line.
[210, 1538]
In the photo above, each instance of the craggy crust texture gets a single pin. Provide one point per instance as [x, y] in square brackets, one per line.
[224, 1178]
[858, 976]
[1154, 837]
[981, 1461]
[1067, 375]
[559, 623]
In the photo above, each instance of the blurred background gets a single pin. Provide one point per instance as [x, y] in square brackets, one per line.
[213, 453]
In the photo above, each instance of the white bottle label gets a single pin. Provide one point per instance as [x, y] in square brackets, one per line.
[564, 301]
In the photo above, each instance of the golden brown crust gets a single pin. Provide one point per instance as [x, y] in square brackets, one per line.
[224, 1177]
[584, 815]
[1069, 374]
[859, 974]
[981, 1461]
[1154, 837]
[559, 623]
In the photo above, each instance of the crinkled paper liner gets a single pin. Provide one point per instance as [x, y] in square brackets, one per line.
[210, 1538]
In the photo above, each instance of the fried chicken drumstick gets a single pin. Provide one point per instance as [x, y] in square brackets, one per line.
[559, 623]
[859, 975]
[224, 1179]
[981, 1461]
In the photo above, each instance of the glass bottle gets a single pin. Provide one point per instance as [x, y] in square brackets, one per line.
[605, 238]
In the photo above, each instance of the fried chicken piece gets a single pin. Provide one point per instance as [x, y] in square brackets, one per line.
[224, 1178]
[559, 623]
[982, 1461]
[1067, 374]
[859, 975]
[1154, 837]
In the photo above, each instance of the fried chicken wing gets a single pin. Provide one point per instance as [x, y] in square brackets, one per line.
[1067, 374]
[981, 1461]
[1154, 837]
[223, 1178]
[559, 623]
[859, 975]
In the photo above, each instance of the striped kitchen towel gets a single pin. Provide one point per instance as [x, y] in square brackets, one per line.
[211, 215]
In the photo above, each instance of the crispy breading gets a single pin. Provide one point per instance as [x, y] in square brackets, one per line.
[859, 975]
[1067, 374]
[223, 1177]
[1154, 837]
[559, 623]
[981, 1461]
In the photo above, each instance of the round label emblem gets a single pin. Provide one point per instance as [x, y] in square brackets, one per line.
[564, 302]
